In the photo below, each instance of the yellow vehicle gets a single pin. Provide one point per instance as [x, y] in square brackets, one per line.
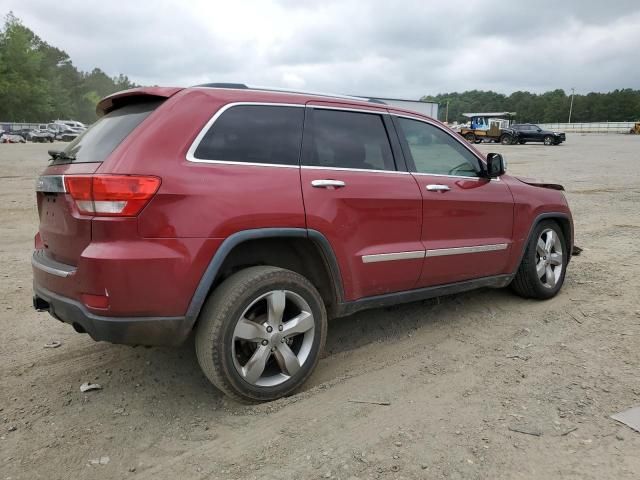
[486, 126]
[635, 129]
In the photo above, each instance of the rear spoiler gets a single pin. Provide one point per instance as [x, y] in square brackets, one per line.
[119, 99]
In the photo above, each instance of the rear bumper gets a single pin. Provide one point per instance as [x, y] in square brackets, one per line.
[125, 330]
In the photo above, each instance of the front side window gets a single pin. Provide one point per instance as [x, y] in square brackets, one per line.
[436, 152]
[269, 134]
[349, 140]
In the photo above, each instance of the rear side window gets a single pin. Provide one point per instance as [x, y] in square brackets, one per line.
[350, 140]
[267, 134]
[102, 138]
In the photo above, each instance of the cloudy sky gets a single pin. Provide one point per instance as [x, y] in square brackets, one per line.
[379, 48]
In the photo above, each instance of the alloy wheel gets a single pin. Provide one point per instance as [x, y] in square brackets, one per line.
[272, 338]
[549, 258]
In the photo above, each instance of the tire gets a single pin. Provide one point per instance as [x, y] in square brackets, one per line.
[506, 140]
[548, 140]
[224, 352]
[538, 275]
[470, 137]
[521, 142]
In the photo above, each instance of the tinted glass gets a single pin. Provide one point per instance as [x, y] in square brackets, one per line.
[437, 152]
[96, 143]
[350, 140]
[255, 134]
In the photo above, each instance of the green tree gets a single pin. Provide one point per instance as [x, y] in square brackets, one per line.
[39, 83]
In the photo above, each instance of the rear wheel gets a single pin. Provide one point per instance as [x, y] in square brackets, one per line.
[506, 140]
[548, 140]
[261, 333]
[541, 272]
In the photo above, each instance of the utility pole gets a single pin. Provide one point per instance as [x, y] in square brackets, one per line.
[571, 105]
[446, 116]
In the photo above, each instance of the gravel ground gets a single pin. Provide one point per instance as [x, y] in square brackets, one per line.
[480, 385]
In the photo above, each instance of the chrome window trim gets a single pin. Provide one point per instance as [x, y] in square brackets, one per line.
[379, 111]
[51, 184]
[190, 157]
[439, 252]
[448, 176]
[387, 257]
[447, 132]
[316, 167]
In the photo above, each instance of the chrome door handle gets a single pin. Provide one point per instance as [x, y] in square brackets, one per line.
[437, 188]
[327, 183]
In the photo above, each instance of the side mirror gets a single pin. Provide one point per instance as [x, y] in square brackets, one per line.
[539, 130]
[496, 165]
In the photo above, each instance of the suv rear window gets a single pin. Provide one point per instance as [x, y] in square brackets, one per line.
[267, 134]
[102, 138]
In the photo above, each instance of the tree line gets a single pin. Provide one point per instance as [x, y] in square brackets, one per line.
[549, 107]
[39, 83]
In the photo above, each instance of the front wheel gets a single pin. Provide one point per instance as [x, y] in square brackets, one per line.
[548, 140]
[542, 269]
[260, 333]
[470, 137]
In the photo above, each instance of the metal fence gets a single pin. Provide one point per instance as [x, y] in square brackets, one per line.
[592, 127]
[10, 126]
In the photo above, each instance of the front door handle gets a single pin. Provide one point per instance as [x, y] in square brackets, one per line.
[437, 188]
[327, 183]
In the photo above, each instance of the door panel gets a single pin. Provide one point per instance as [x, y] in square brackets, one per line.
[472, 213]
[373, 214]
[467, 219]
[370, 213]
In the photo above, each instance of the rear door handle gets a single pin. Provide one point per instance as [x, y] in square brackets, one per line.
[327, 183]
[433, 187]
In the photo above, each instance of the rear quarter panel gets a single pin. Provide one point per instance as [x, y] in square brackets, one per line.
[203, 200]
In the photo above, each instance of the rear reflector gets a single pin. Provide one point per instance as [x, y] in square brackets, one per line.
[95, 301]
[111, 195]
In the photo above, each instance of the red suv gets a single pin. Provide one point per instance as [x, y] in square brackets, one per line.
[252, 216]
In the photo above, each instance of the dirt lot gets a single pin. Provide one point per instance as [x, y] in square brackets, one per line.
[461, 372]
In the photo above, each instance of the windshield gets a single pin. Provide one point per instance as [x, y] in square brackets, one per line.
[102, 138]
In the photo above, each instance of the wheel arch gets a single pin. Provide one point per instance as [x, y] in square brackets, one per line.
[307, 252]
[565, 223]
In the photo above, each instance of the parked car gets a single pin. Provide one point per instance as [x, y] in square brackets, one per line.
[251, 217]
[527, 132]
[72, 124]
[10, 137]
[64, 132]
[23, 132]
[42, 136]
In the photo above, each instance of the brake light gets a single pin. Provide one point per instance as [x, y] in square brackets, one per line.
[111, 195]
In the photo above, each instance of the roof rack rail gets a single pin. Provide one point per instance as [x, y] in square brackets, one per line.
[242, 86]
[223, 85]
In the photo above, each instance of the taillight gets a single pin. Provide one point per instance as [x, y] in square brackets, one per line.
[111, 195]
